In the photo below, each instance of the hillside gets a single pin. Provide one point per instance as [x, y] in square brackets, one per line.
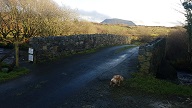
[118, 21]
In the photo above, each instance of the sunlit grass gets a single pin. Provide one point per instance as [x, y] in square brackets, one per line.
[150, 84]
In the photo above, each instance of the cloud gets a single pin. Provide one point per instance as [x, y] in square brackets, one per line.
[178, 23]
[93, 16]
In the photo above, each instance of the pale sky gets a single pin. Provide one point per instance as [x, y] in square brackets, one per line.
[141, 12]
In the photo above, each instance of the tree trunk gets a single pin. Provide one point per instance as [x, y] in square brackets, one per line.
[17, 53]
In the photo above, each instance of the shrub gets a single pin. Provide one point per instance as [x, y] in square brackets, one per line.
[177, 48]
[12, 75]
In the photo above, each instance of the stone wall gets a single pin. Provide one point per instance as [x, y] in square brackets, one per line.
[151, 55]
[49, 48]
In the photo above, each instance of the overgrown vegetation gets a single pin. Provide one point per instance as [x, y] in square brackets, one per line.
[150, 84]
[24, 19]
[188, 7]
[177, 49]
[4, 76]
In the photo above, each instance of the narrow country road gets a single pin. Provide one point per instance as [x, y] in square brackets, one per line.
[49, 85]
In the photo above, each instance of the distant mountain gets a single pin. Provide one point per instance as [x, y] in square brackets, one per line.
[118, 21]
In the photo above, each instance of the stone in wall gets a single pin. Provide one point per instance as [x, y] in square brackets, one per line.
[52, 47]
[151, 56]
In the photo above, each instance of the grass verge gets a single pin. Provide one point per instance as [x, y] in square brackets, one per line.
[150, 84]
[13, 74]
[123, 49]
[87, 51]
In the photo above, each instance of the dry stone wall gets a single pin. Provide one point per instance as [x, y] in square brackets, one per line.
[52, 47]
[151, 56]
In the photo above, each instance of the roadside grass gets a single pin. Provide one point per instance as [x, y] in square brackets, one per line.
[87, 51]
[149, 84]
[4, 64]
[123, 49]
[4, 76]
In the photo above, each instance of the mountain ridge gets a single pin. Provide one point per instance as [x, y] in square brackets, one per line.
[118, 21]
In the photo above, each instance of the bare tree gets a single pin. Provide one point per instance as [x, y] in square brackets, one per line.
[5, 27]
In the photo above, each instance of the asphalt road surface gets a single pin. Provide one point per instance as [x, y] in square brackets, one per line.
[48, 85]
